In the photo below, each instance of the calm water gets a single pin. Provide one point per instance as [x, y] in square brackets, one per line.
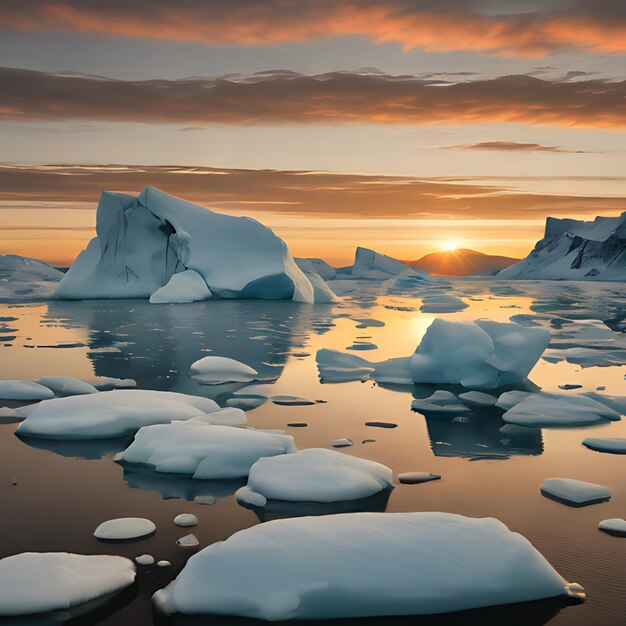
[54, 494]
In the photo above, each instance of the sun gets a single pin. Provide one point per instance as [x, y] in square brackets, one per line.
[450, 244]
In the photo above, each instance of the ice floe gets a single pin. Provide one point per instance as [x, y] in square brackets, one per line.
[315, 475]
[124, 528]
[110, 414]
[144, 559]
[24, 390]
[216, 370]
[614, 445]
[441, 401]
[188, 541]
[186, 519]
[204, 451]
[186, 286]
[575, 493]
[477, 399]
[66, 385]
[23, 279]
[415, 478]
[545, 409]
[362, 564]
[614, 526]
[509, 399]
[41, 582]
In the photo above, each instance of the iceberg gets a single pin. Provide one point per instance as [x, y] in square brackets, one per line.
[371, 265]
[111, 414]
[40, 582]
[204, 451]
[143, 241]
[187, 286]
[24, 390]
[360, 565]
[23, 279]
[545, 409]
[317, 266]
[575, 493]
[314, 475]
[475, 355]
[216, 370]
[576, 250]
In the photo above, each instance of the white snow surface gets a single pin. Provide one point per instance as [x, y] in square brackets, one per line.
[575, 492]
[23, 279]
[123, 528]
[186, 286]
[67, 386]
[316, 475]
[220, 369]
[204, 451]
[23, 390]
[39, 582]
[143, 241]
[545, 409]
[362, 564]
[110, 414]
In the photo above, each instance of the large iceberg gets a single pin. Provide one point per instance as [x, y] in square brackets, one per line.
[112, 414]
[38, 582]
[371, 265]
[476, 355]
[204, 451]
[25, 279]
[576, 250]
[362, 564]
[143, 241]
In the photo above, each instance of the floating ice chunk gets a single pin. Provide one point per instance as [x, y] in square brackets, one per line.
[617, 403]
[188, 541]
[334, 366]
[381, 424]
[615, 445]
[415, 478]
[322, 293]
[216, 370]
[187, 286]
[23, 279]
[442, 303]
[574, 492]
[478, 399]
[109, 414]
[124, 528]
[163, 564]
[317, 266]
[204, 451]
[557, 409]
[106, 383]
[145, 559]
[186, 519]
[371, 564]
[245, 495]
[440, 402]
[40, 582]
[23, 390]
[291, 401]
[342, 442]
[228, 416]
[317, 475]
[613, 526]
[67, 386]
[509, 399]
[587, 357]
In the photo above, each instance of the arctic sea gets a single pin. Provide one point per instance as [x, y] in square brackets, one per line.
[55, 493]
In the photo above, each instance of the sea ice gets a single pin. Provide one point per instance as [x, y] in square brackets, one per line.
[342, 442]
[613, 526]
[509, 399]
[441, 401]
[23, 390]
[204, 451]
[188, 541]
[216, 370]
[315, 475]
[291, 401]
[186, 519]
[559, 409]
[23, 279]
[574, 492]
[145, 559]
[362, 564]
[186, 286]
[124, 528]
[67, 386]
[615, 445]
[109, 414]
[478, 399]
[415, 478]
[40, 582]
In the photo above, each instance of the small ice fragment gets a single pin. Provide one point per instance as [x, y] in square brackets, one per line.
[124, 528]
[342, 442]
[575, 493]
[613, 526]
[186, 519]
[188, 541]
[414, 478]
[144, 559]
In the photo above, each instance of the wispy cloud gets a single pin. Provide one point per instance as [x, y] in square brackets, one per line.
[288, 97]
[482, 25]
[514, 146]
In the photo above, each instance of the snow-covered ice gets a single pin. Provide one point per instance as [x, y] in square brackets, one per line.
[362, 564]
[186, 519]
[315, 475]
[216, 370]
[574, 492]
[415, 478]
[477, 399]
[23, 279]
[124, 528]
[204, 451]
[24, 390]
[509, 399]
[110, 414]
[317, 266]
[66, 385]
[143, 241]
[40, 582]
[441, 401]
[371, 265]
[188, 541]
[187, 286]
[144, 559]
[341, 442]
[545, 409]
[612, 445]
[613, 526]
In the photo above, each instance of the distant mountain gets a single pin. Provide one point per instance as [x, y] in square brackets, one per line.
[576, 250]
[461, 262]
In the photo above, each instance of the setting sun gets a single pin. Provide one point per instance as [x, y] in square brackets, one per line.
[450, 244]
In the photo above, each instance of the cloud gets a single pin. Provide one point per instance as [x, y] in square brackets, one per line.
[480, 25]
[335, 97]
[301, 193]
[515, 146]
